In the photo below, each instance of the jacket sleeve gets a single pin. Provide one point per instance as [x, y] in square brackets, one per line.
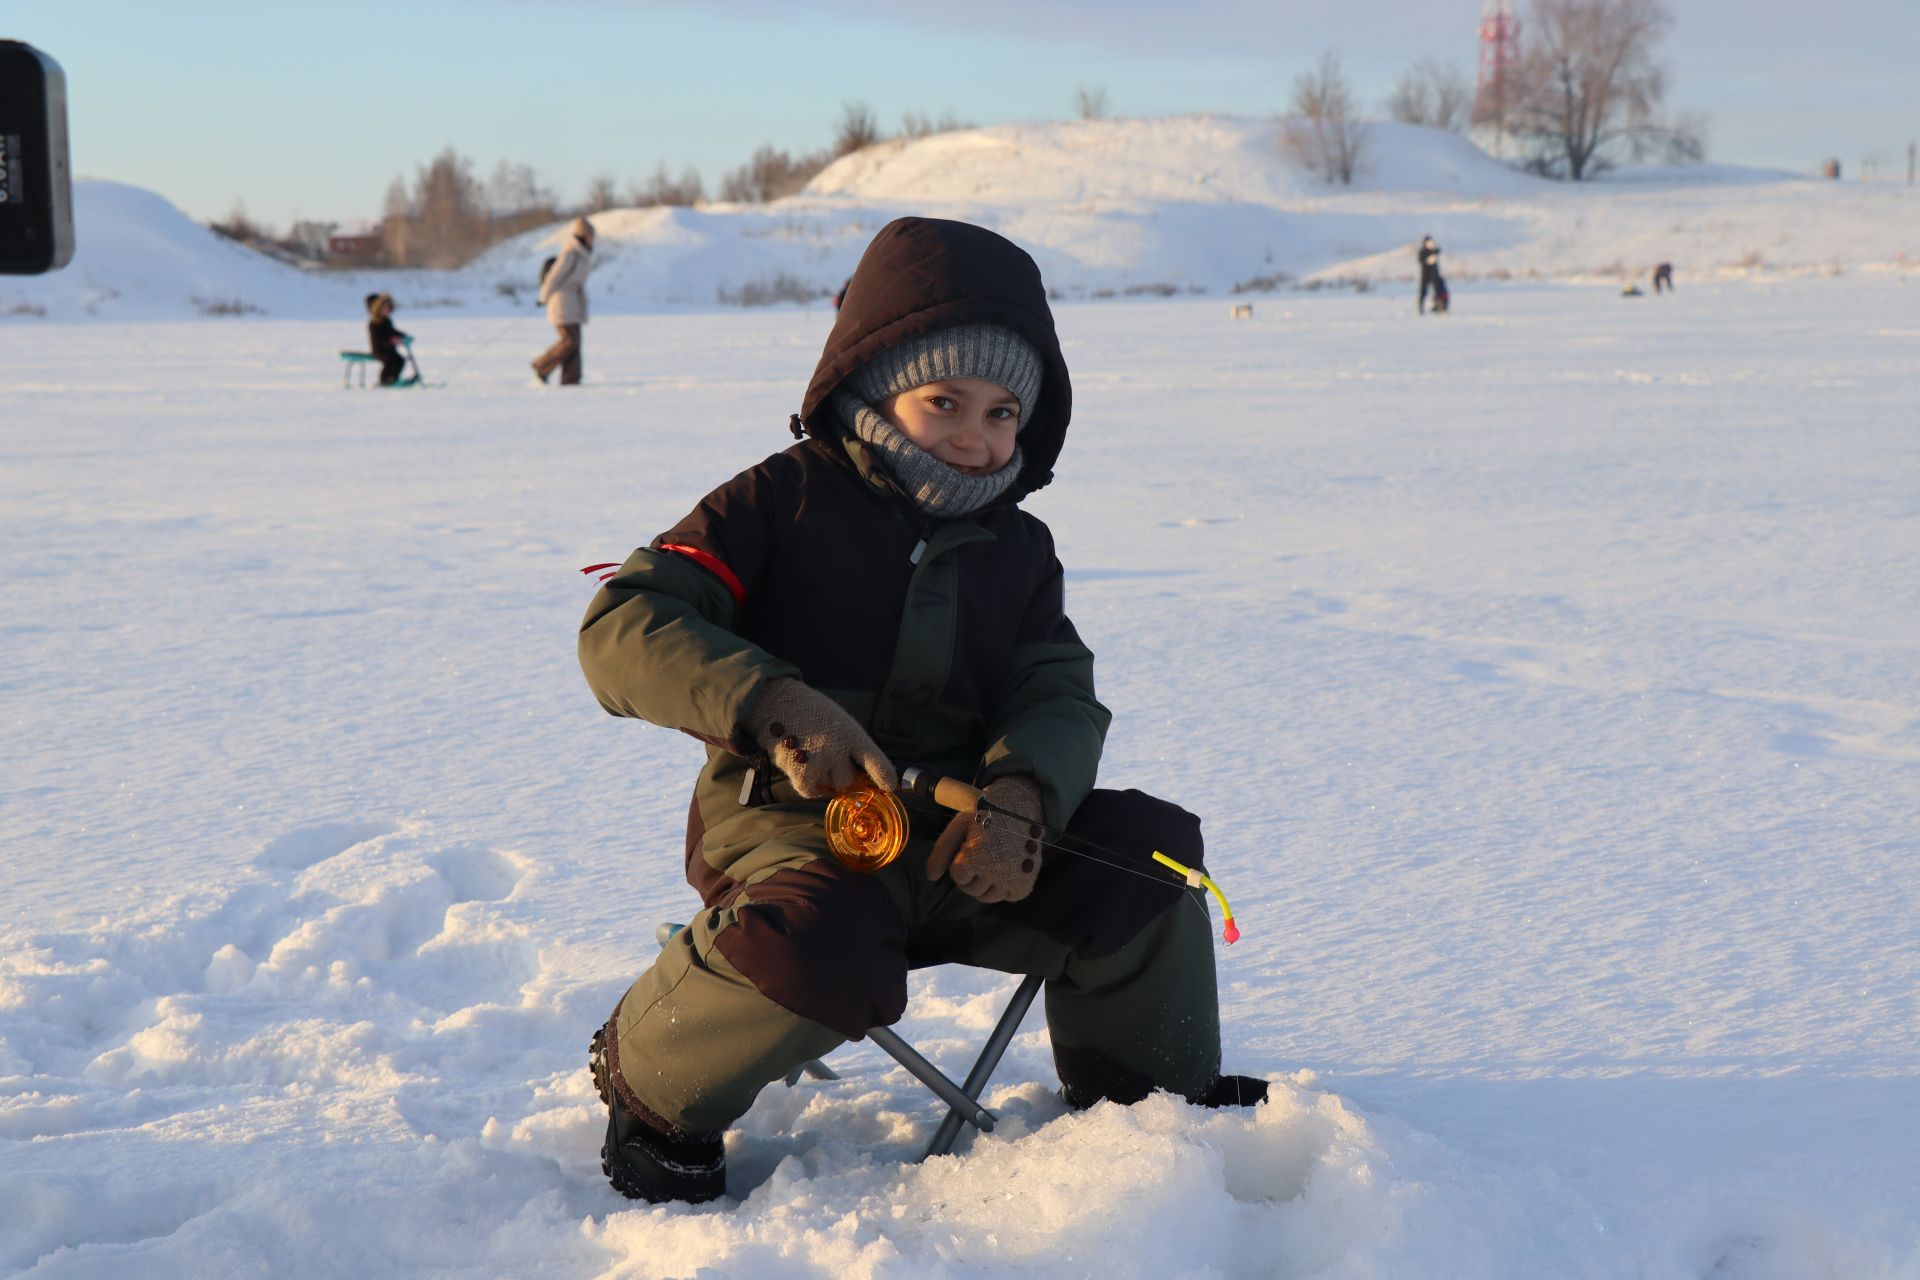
[658, 640]
[562, 273]
[1048, 723]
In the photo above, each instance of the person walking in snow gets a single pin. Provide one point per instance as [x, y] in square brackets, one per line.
[564, 292]
[1663, 278]
[387, 343]
[873, 595]
[1430, 279]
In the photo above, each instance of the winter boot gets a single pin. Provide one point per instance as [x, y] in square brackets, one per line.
[646, 1163]
[1235, 1091]
[1089, 1076]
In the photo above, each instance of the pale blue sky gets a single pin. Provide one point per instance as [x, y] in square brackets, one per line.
[311, 110]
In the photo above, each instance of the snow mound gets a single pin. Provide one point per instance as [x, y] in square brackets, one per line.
[137, 257]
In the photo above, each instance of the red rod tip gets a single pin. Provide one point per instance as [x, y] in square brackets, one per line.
[1231, 933]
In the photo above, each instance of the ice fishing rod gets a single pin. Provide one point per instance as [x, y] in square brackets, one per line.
[866, 829]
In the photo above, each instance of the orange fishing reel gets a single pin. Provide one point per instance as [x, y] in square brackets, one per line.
[866, 828]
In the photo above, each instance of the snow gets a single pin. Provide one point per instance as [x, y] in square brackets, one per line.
[1182, 205]
[1546, 676]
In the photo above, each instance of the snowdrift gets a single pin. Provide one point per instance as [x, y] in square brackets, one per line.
[139, 258]
[1191, 204]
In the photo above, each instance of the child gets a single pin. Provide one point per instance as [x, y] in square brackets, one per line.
[387, 341]
[874, 594]
[1430, 281]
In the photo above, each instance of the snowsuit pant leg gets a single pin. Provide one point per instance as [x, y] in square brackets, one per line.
[798, 956]
[1132, 998]
[563, 355]
[392, 365]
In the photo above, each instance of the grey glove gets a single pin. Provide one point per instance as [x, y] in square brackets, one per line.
[994, 856]
[810, 738]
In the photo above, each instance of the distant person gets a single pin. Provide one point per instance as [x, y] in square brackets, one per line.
[841, 297]
[1430, 281]
[564, 291]
[387, 343]
[1663, 278]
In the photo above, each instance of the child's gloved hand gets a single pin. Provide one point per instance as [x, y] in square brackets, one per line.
[994, 856]
[810, 738]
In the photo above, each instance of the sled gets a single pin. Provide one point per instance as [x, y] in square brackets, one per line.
[359, 360]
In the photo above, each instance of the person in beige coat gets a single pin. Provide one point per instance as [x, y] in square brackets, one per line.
[564, 292]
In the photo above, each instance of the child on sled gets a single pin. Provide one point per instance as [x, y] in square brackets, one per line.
[388, 344]
[874, 596]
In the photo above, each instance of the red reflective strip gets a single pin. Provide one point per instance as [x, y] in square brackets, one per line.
[595, 568]
[717, 567]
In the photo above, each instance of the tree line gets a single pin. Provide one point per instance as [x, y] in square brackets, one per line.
[446, 215]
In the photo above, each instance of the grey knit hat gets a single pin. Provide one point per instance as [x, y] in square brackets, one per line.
[989, 351]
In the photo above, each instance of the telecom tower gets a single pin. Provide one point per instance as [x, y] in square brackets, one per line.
[1499, 52]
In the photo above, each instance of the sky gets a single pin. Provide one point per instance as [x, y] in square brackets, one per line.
[310, 112]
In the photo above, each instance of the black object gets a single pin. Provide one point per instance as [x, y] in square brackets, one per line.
[644, 1164]
[546, 269]
[36, 183]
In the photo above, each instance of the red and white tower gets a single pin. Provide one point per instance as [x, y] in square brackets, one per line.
[1499, 58]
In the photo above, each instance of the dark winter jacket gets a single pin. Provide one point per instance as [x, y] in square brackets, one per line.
[383, 337]
[947, 639]
[1429, 255]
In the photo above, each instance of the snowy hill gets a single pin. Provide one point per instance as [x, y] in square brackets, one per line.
[1193, 204]
[139, 258]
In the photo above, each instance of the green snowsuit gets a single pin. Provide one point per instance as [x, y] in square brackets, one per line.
[949, 642]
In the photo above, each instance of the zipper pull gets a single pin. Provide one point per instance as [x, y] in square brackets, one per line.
[918, 547]
[746, 786]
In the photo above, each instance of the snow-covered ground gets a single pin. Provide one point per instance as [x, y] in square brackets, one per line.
[1170, 207]
[1548, 676]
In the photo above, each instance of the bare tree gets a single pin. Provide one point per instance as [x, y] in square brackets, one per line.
[448, 210]
[602, 194]
[1683, 140]
[771, 174]
[1588, 80]
[393, 224]
[858, 128]
[443, 220]
[665, 189]
[238, 226]
[515, 189]
[1324, 131]
[1433, 93]
[1090, 102]
[914, 124]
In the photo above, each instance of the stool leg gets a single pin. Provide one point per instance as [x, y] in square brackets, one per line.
[929, 1075]
[990, 1055]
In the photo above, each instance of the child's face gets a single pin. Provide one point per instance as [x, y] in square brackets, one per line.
[967, 423]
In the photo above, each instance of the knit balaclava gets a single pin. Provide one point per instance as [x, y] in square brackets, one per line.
[986, 351]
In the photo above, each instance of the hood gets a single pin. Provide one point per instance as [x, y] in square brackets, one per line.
[922, 274]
